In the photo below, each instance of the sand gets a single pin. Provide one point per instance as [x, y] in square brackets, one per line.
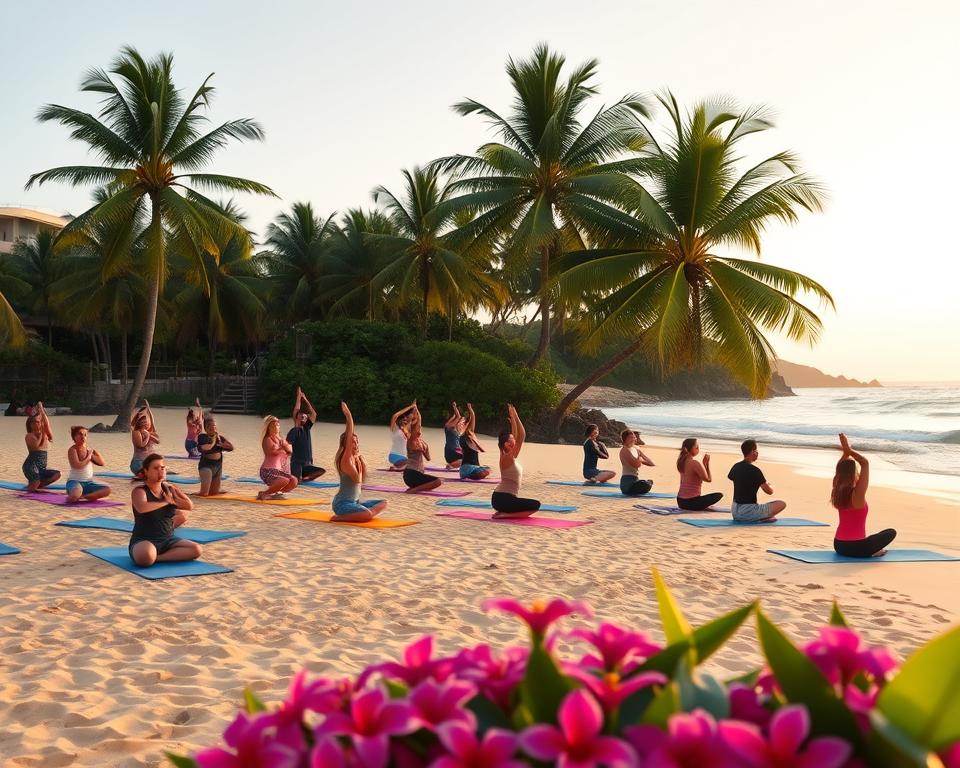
[101, 668]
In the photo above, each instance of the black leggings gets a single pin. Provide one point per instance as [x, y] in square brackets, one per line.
[507, 502]
[699, 503]
[867, 547]
[413, 478]
[631, 486]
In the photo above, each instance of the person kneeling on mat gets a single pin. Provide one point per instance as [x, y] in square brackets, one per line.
[418, 454]
[593, 450]
[210, 467]
[849, 497]
[158, 510]
[506, 496]
[82, 458]
[693, 475]
[301, 460]
[470, 467]
[347, 506]
[452, 429]
[38, 437]
[276, 454]
[747, 480]
[631, 459]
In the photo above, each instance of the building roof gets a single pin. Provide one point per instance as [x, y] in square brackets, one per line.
[31, 214]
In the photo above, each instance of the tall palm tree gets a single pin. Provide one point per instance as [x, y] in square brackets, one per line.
[152, 144]
[39, 266]
[419, 260]
[551, 182]
[294, 260]
[12, 286]
[669, 288]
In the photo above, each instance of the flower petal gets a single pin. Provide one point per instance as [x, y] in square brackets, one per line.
[457, 738]
[745, 741]
[580, 717]
[544, 742]
[789, 727]
[372, 751]
[613, 752]
[216, 758]
[826, 752]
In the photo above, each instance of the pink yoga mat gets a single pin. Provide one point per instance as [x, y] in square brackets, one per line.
[401, 489]
[427, 469]
[542, 522]
[60, 499]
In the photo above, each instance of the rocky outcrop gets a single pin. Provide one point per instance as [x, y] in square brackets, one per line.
[574, 427]
[797, 375]
[610, 397]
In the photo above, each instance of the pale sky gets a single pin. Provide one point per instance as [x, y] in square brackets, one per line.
[865, 92]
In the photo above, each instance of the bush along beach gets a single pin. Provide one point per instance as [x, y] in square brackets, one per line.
[832, 701]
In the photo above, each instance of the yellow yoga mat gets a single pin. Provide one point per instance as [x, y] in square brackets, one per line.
[274, 502]
[325, 517]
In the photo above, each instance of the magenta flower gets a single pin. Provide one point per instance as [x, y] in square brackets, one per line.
[618, 647]
[245, 735]
[371, 721]
[496, 678]
[691, 741]
[841, 655]
[610, 690]
[418, 665]
[495, 750]
[746, 704]
[951, 756]
[577, 743]
[540, 615]
[327, 753]
[433, 703]
[322, 695]
[783, 748]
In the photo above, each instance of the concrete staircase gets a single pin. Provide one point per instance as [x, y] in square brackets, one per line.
[239, 397]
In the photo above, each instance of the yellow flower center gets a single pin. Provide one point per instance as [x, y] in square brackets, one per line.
[538, 606]
[612, 679]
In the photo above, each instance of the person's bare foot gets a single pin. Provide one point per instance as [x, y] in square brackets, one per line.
[768, 520]
[881, 553]
[261, 496]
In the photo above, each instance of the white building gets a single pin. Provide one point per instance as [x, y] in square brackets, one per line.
[23, 223]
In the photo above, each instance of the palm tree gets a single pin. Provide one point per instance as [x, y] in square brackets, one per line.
[419, 260]
[38, 266]
[152, 144]
[669, 290]
[12, 285]
[551, 183]
[294, 260]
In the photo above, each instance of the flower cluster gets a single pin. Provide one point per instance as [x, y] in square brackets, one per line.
[621, 704]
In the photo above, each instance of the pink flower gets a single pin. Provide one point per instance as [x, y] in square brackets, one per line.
[245, 735]
[691, 741]
[496, 678]
[951, 756]
[610, 690]
[577, 743]
[434, 703]
[540, 615]
[372, 720]
[418, 664]
[745, 704]
[327, 753]
[841, 655]
[322, 695]
[618, 647]
[495, 750]
[789, 728]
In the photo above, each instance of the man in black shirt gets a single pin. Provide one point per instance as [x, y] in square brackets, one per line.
[301, 459]
[747, 480]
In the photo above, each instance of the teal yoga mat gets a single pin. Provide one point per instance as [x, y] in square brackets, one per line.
[673, 510]
[21, 485]
[199, 535]
[308, 484]
[6, 549]
[580, 483]
[119, 557]
[618, 495]
[729, 522]
[178, 479]
[892, 556]
[479, 504]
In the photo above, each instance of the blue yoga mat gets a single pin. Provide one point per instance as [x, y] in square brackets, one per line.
[119, 557]
[199, 535]
[21, 485]
[6, 549]
[178, 479]
[892, 556]
[580, 482]
[307, 484]
[618, 495]
[729, 522]
[480, 504]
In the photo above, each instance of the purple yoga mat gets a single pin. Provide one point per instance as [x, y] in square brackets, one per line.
[61, 500]
[426, 469]
[490, 480]
[542, 522]
[401, 489]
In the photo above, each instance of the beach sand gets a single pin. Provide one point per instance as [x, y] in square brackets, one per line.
[101, 668]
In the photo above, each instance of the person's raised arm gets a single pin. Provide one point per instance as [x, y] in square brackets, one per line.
[454, 415]
[519, 433]
[471, 419]
[311, 411]
[296, 404]
[45, 422]
[199, 412]
[398, 414]
[859, 496]
[349, 428]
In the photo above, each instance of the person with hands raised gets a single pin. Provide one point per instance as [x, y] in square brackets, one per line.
[276, 456]
[301, 459]
[158, 510]
[194, 427]
[144, 436]
[399, 436]
[82, 459]
[418, 454]
[38, 438]
[452, 429]
[506, 499]
[849, 497]
[347, 506]
[470, 467]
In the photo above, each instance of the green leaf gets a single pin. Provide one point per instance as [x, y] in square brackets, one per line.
[543, 686]
[252, 702]
[666, 703]
[488, 714]
[889, 747]
[750, 678]
[701, 691]
[922, 699]
[396, 689]
[803, 683]
[710, 637]
[837, 618]
[675, 625]
[180, 760]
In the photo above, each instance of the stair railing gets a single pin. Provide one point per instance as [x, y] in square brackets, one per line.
[250, 371]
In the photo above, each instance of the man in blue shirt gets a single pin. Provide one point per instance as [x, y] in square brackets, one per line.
[301, 459]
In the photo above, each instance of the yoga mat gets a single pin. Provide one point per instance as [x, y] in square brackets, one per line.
[119, 557]
[181, 458]
[580, 482]
[307, 484]
[255, 500]
[402, 489]
[892, 556]
[426, 469]
[479, 504]
[178, 479]
[315, 515]
[676, 510]
[6, 549]
[542, 522]
[199, 535]
[779, 522]
[20, 485]
[618, 495]
[61, 500]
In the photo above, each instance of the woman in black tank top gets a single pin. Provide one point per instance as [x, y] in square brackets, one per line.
[158, 510]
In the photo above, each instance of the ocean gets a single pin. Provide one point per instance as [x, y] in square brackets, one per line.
[914, 431]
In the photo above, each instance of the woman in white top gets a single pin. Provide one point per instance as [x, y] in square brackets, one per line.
[506, 496]
[82, 458]
[399, 436]
[631, 459]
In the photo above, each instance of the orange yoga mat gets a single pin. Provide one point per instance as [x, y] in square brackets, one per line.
[275, 502]
[325, 517]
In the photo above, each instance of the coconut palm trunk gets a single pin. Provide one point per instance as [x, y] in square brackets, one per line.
[543, 346]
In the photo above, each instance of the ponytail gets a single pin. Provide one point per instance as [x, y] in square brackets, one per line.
[685, 449]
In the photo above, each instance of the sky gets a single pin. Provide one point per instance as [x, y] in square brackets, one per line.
[350, 94]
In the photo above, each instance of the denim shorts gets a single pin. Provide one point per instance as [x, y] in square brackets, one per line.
[591, 473]
[348, 506]
[86, 486]
[467, 471]
[396, 458]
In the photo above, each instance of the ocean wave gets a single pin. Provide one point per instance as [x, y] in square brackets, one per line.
[951, 438]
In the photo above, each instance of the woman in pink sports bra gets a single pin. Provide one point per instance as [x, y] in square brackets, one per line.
[276, 459]
[849, 496]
